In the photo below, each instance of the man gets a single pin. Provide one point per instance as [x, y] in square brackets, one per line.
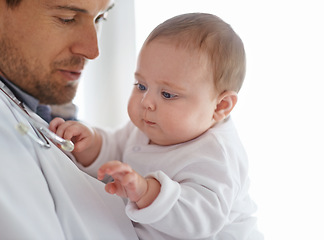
[44, 45]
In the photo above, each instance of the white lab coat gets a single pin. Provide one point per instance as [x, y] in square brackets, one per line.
[43, 195]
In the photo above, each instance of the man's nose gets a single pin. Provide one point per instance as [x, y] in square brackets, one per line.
[86, 42]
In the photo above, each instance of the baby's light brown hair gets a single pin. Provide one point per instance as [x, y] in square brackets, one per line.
[214, 38]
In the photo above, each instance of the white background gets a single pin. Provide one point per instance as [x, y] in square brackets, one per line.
[280, 111]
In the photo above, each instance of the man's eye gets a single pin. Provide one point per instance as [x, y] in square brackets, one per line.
[104, 15]
[141, 87]
[168, 95]
[101, 17]
[67, 20]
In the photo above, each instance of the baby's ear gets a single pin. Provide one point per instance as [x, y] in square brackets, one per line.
[225, 104]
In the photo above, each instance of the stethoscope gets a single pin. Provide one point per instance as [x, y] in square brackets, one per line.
[40, 129]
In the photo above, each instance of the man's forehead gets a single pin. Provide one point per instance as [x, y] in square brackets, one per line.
[91, 7]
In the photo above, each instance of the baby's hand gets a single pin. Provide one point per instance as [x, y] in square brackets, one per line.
[78, 133]
[128, 183]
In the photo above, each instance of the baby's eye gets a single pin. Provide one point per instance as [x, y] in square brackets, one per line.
[168, 95]
[141, 87]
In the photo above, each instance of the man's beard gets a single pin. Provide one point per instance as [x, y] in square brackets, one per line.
[32, 77]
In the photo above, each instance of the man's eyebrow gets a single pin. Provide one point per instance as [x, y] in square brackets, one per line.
[105, 13]
[76, 9]
[71, 8]
[110, 7]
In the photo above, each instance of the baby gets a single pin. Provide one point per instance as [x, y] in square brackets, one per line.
[179, 161]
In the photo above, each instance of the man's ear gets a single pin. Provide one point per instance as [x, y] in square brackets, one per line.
[225, 104]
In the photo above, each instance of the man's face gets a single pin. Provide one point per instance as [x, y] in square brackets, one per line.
[44, 45]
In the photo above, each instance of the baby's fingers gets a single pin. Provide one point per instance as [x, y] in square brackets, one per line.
[70, 129]
[116, 169]
[111, 188]
[125, 188]
[55, 123]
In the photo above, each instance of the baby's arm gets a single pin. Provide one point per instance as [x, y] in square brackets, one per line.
[87, 142]
[128, 183]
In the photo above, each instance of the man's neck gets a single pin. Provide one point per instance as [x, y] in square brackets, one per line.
[22, 96]
[1, 74]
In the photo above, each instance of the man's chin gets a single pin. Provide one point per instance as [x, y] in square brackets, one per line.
[57, 100]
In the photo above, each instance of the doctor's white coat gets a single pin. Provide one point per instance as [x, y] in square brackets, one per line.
[43, 195]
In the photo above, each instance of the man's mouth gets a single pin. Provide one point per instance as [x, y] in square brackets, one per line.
[71, 75]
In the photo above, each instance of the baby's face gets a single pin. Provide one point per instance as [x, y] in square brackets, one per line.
[173, 99]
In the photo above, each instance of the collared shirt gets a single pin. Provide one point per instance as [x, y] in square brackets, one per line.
[22, 96]
[47, 112]
[44, 111]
